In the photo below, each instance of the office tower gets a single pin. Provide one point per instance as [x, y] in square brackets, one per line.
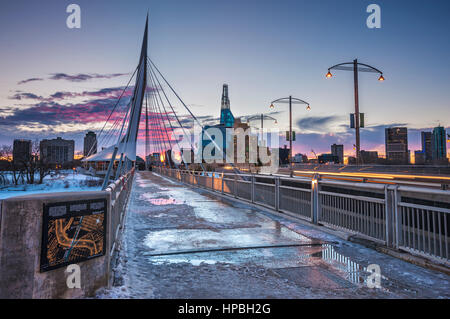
[426, 138]
[57, 151]
[90, 144]
[338, 150]
[369, 157]
[439, 144]
[21, 151]
[419, 158]
[396, 141]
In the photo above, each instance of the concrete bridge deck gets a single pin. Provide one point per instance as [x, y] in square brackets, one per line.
[181, 242]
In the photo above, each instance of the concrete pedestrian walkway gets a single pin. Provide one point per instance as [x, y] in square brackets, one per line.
[181, 242]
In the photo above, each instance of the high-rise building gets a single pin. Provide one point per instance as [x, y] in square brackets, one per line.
[439, 144]
[57, 151]
[426, 138]
[419, 158]
[21, 151]
[397, 145]
[283, 155]
[338, 150]
[369, 157]
[328, 158]
[90, 144]
[300, 158]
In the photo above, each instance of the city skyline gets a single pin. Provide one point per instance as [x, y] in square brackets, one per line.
[81, 72]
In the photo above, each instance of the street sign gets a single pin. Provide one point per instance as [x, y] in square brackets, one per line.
[361, 120]
[288, 138]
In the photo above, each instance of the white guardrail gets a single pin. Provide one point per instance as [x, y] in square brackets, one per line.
[413, 219]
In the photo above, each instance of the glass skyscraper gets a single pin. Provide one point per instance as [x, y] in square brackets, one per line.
[439, 144]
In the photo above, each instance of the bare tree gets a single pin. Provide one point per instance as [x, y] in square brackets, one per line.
[30, 163]
[43, 167]
[36, 163]
[15, 168]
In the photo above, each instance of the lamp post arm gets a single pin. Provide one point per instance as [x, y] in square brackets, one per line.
[350, 64]
[340, 64]
[370, 67]
[257, 117]
[293, 100]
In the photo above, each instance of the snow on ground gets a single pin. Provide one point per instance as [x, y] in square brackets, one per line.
[63, 181]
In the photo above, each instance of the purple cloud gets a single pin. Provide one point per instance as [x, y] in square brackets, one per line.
[29, 80]
[83, 77]
[23, 96]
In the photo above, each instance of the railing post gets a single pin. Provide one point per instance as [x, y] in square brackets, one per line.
[398, 220]
[315, 208]
[212, 181]
[222, 182]
[393, 222]
[253, 188]
[277, 193]
[235, 186]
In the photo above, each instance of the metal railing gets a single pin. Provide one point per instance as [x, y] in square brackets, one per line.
[422, 225]
[120, 192]
[357, 208]
[413, 219]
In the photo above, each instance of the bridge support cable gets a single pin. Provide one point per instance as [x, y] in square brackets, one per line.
[112, 132]
[119, 146]
[129, 142]
[153, 129]
[193, 116]
[119, 167]
[114, 107]
[147, 141]
[156, 130]
[160, 87]
[161, 125]
[162, 128]
[166, 115]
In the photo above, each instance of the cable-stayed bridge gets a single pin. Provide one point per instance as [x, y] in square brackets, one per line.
[179, 233]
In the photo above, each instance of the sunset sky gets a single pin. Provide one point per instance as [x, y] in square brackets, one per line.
[56, 81]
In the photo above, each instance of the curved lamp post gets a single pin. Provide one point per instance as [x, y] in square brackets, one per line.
[356, 67]
[291, 100]
[261, 117]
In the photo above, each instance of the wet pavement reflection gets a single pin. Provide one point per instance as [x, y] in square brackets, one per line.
[183, 243]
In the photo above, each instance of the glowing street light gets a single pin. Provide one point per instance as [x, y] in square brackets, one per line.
[262, 117]
[291, 100]
[356, 68]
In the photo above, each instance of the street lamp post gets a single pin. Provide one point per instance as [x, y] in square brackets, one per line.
[356, 67]
[291, 100]
[262, 117]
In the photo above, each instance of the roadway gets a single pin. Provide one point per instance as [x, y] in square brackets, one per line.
[181, 242]
[437, 177]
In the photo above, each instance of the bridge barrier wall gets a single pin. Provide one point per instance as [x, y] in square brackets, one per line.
[413, 219]
[21, 241]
